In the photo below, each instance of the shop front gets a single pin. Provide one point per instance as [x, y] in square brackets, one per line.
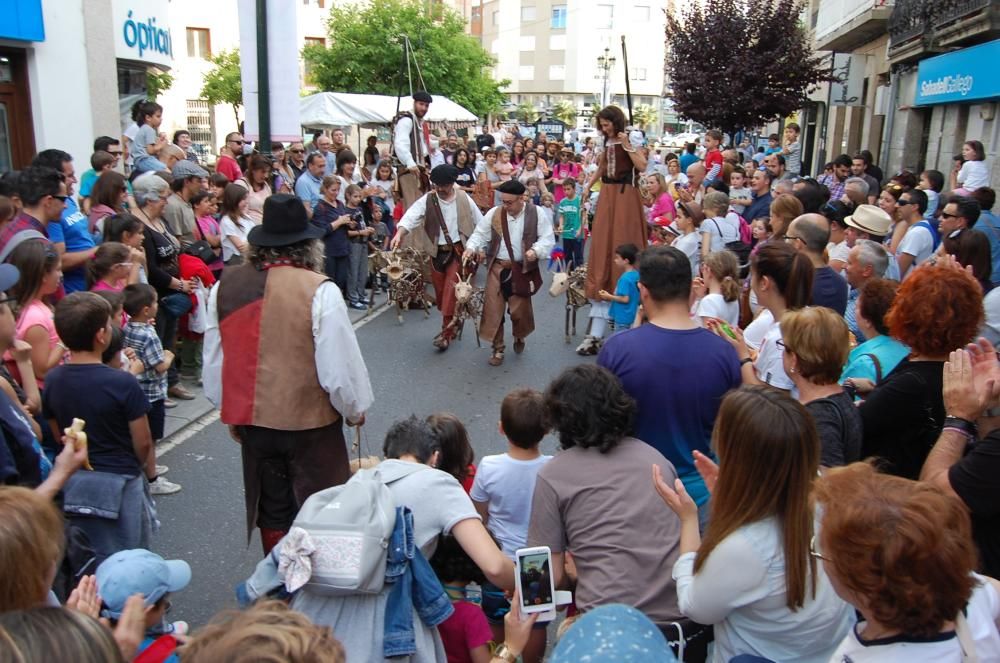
[22, 24]
[143, 45]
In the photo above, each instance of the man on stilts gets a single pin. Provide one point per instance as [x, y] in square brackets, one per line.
[511, 238]
[439, 223]
[410, 146]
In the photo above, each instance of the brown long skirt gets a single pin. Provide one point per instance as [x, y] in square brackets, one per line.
[619, 220]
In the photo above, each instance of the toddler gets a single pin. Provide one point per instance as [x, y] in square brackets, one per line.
[466, 633]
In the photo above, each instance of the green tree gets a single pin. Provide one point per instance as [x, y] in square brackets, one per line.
[565, 111]
[222, 83]
[365, 54]
[158, 83]
[644, 115]
[527, 113]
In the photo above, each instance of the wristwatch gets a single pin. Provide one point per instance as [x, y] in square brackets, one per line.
[505, 653]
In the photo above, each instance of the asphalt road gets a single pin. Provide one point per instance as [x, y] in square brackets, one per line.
[204, 523]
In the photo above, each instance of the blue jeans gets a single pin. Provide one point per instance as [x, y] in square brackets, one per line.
[414, 586]
[172, 307]
[574, 252]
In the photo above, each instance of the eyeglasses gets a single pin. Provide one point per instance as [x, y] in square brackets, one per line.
[61, 199]
[124, 264]
[814, 550]
[946, 215]
[506, 203]
[237, 142]
[902, 202]
[117, 154]
[297, 151]
[791, 238]
[784, 348]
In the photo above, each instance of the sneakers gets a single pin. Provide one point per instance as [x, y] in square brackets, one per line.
[178, 391]
[590, 346]
[161, 469]
[163, 487]
[357, 306]
[167, 403]
[180, 628]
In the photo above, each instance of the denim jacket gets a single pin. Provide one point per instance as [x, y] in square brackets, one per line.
[414, 586]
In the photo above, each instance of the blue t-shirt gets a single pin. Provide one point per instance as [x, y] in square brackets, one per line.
[108, 400]
[686, 160]
[829, 290]
[628, 285]
[87, 182]
[75, 233]
[887, 350]
[678, 379]
[989, 225]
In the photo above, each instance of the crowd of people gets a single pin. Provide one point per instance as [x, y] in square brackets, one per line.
[784, 450]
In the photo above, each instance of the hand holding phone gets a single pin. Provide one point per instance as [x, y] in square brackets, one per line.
[535, 583]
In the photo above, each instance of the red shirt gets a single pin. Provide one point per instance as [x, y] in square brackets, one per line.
[228, 167]
[465, 630]
[713, 158]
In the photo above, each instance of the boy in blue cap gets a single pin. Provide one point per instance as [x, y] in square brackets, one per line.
[138, 571]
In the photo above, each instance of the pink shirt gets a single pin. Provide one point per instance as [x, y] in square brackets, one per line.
[561, 172]
[465, 630]
[36, 314]
[663, 205]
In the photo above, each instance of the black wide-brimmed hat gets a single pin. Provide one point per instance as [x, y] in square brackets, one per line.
[285, 223]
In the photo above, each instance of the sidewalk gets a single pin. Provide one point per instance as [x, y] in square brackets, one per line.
[187, 412]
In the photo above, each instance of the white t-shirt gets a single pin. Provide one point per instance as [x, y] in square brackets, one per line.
[721, 230]
[690, 244]
[974, 175]
[754, 333]
[714, 305]
[983, 610]
[229, 227]
[769, 366]
[838, 251]
[507, 484]
[919, 243]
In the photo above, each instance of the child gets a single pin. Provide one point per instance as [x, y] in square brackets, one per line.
[931, 183]
[357, 273]
[456, 456]
[971, 174]
[466, 633]
[502, 494]
[761, 230]
[113, 405]
[129, 572]
[718, 288]
[548, 202]
[116, 355]
[773, 146]
[206, 209]
[740, 194]
[380, 242]
[570, 225]
[116, 300]
[713, 156]
[141, 307]
[111, 268]
[625, 301]
[534, 194]
[217, 186]
[148, 144]
[792, 149]
[504, 169]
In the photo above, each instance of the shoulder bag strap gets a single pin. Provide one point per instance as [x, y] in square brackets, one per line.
[444, 226]
[506, 233]
[878, 366]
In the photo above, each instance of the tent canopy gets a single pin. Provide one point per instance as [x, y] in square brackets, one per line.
[327, 110]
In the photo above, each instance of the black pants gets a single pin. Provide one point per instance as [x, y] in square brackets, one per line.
[157, 417]
[336, 269]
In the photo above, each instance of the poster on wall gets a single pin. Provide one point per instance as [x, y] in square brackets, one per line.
[283, 69]
[849, 72]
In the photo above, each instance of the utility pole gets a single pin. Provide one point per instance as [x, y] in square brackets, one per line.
[263, 82]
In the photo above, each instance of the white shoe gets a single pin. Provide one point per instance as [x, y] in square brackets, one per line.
[181, 628]
[161, 469]
[163, 487]
[588, 347]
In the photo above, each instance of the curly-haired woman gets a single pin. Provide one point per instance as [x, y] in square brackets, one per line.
[588, 499]
[937, 309]
[901, 552]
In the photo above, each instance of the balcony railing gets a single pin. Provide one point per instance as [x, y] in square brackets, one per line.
[951, 10]
[911, 19]
[835, 14]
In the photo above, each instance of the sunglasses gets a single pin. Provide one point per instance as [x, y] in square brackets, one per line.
[297, 151]
[60, 198]
[237, 142]
[946, 215]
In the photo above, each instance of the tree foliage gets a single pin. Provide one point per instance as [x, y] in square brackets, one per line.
[222, 83]
[565, 112]
[158, 83]
[736, 64]
[365, 54]
[644, 115]
[526, 113]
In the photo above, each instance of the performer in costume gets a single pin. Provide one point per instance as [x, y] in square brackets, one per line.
[410, 146]
[511, 238]
[440, 223]
[619, 218]
[283, 364]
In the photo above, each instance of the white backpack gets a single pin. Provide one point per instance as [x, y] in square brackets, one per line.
[350, 526]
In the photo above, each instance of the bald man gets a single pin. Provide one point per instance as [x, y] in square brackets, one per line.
[810, 233]
[695, 190]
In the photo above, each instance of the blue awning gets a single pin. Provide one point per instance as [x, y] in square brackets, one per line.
[970, 74]
[22, 20]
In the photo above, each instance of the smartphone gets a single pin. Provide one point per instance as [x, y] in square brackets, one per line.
[727, 329]
[533, 576]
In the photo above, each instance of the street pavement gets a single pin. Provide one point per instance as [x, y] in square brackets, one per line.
[204, 524]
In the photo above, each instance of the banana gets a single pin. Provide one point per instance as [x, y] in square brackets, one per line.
[75, 431]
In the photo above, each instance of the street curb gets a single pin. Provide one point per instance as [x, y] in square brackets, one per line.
[211, 414]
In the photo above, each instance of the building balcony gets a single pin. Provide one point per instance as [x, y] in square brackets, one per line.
[921, 28]
[844, 25]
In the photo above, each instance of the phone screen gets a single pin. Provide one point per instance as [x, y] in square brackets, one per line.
[536, 579]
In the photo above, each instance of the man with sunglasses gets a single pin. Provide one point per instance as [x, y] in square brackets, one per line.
[296, 160]
[43, 196]
[227, 164]
[960, 213]
[921, 238]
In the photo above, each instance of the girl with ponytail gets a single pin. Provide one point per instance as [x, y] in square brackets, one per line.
[718, 288]
[112, 268]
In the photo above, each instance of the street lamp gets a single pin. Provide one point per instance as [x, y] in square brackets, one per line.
[605, 63]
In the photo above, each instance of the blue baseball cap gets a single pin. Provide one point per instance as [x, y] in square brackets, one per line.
[129, 572]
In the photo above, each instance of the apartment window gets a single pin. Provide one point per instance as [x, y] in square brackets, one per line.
[638, 73]
[527, 14]
[527, 43]
[199, 43]
[605, 16]
[557, 72]
[640, 13]
[557, 42]
[558, 17]
[526, 72]
[315, 41]
[199, 123]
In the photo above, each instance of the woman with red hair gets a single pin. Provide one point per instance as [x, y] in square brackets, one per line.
[937, 309]
[901, 552]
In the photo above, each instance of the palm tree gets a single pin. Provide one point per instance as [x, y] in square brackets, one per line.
[565, 112]
[644, 115]
[526, 112]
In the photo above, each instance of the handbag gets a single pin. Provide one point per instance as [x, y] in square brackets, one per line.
[198, 318]
[521, 283]
[202, 250]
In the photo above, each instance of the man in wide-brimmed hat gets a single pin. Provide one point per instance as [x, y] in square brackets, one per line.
[283, 364]
[440, 223]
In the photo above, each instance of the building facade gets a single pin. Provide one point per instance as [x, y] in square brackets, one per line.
[550, 50]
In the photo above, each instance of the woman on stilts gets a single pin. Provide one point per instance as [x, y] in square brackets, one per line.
[618, 220]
